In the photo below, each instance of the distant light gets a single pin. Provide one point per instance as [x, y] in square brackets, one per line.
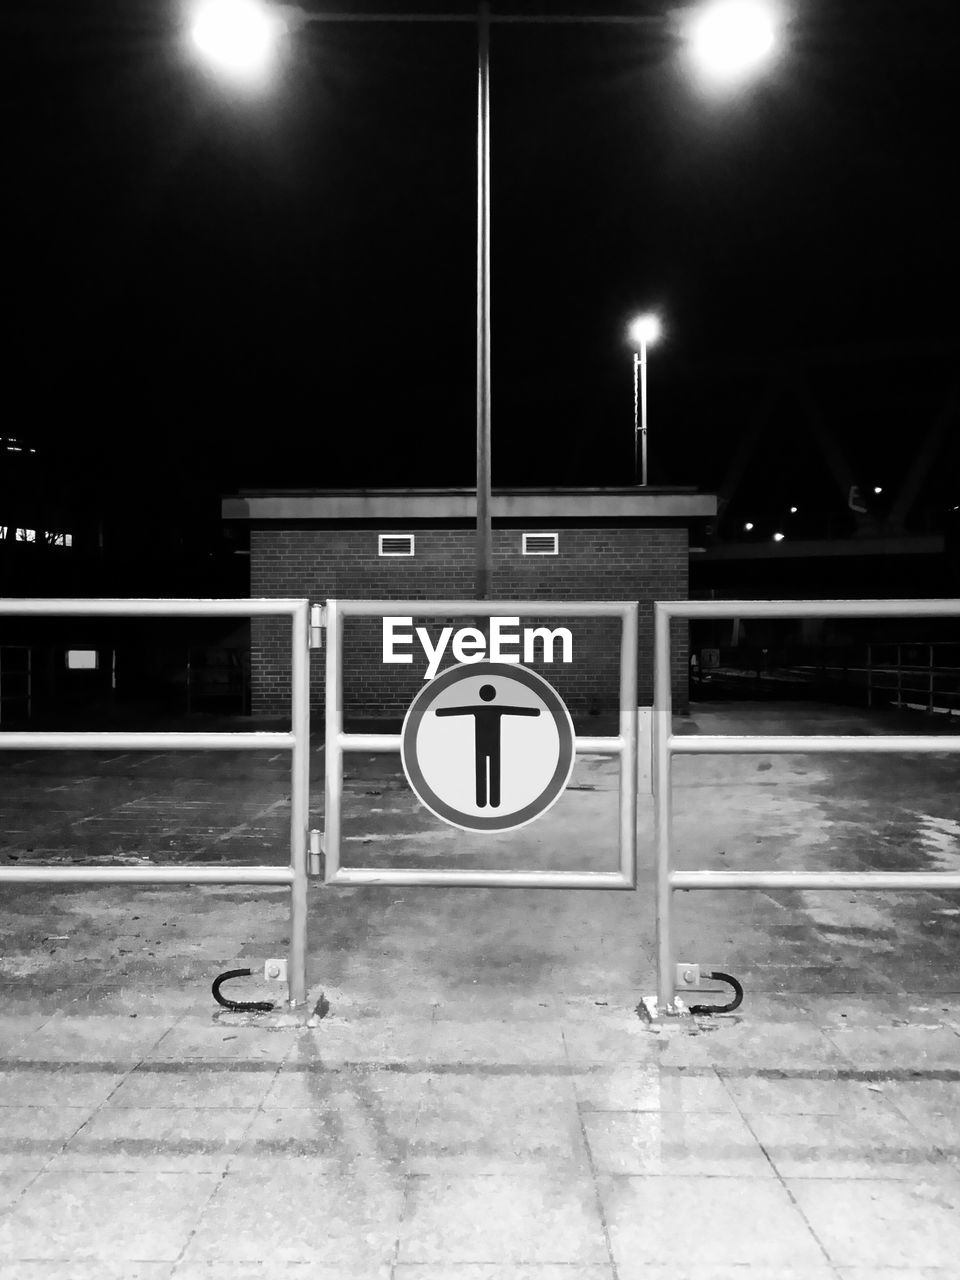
[877, 489]
[778, 537]
[645, 329]
[237, 37]
[748, 526]
[793, 511]
[728, 39]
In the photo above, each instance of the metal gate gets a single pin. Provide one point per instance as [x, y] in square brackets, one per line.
[624, 745]
[666, 745]
[297, 742]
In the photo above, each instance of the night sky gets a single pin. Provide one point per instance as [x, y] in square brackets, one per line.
[212, 289]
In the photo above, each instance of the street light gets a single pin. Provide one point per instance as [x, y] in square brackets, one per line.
[240, 38]
[644, 331]
[730, 39]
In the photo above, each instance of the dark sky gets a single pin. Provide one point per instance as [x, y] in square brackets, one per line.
[280, 288]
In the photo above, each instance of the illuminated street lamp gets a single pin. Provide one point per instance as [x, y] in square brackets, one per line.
[239, 38]
[644, 331]
[729, 40]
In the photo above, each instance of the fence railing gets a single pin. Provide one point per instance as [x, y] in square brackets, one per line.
[666, 745]
[924, 676]
[296, 741]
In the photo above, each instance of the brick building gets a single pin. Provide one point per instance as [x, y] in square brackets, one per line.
[419, 544]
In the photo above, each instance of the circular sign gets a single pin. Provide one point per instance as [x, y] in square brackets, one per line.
[487, 746]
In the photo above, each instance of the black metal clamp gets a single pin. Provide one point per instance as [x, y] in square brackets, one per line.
[721, 1008]
[239, 1006]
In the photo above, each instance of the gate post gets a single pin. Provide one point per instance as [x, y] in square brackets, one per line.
[299, 800]
[662, 796]
[333, 712]
[628, 736]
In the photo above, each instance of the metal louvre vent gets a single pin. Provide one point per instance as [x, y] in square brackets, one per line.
[540, 544]
[395, 544]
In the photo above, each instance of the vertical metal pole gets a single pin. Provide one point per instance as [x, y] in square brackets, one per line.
[628, 732]
[484, 567]
[663, 769]
[332, 751]
[636, 417]
[299, 802]
[643, 413]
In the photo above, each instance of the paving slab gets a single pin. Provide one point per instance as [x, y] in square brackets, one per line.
[705, 1221]
[83, 1214]
[519, 1217]
[874, 1223]
[262, 1216]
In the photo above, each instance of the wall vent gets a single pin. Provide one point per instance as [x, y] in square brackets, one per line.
[395, 544]
[540, 544]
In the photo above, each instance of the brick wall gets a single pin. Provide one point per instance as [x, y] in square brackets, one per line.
[643, 564]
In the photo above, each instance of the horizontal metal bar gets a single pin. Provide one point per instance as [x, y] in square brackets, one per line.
[53, 740]
[936, 880]
[486, 608]
[599, 746]
[95, 608]
[390, 742]
[482, 879]
[303, 16]
[770, 744]
[809, 608]
[613, 19]
[369, 741]
[149, 873]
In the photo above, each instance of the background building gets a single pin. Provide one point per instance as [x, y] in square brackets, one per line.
[548, 544]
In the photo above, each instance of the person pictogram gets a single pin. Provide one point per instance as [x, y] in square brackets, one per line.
[486, 722]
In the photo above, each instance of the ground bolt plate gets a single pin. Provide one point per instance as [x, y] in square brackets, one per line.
[688, 975]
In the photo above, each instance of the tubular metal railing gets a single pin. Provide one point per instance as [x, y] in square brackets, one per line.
[666, 745]
[297, 742]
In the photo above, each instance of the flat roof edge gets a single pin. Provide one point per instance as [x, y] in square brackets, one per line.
[460, 505]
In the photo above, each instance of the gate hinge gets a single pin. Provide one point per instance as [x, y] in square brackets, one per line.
[316, 853]
[318, 620]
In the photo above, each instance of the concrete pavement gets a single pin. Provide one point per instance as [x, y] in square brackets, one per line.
[481, 1101]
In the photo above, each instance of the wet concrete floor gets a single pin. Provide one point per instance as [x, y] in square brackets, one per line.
[481, 1100]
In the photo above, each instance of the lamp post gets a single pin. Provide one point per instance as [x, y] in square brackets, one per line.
[239, 37]
[644, 332]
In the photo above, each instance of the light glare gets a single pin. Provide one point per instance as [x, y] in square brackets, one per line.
[646, 329]
[778, 537]
[749, 526]
[731, 38]
[238, 37]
